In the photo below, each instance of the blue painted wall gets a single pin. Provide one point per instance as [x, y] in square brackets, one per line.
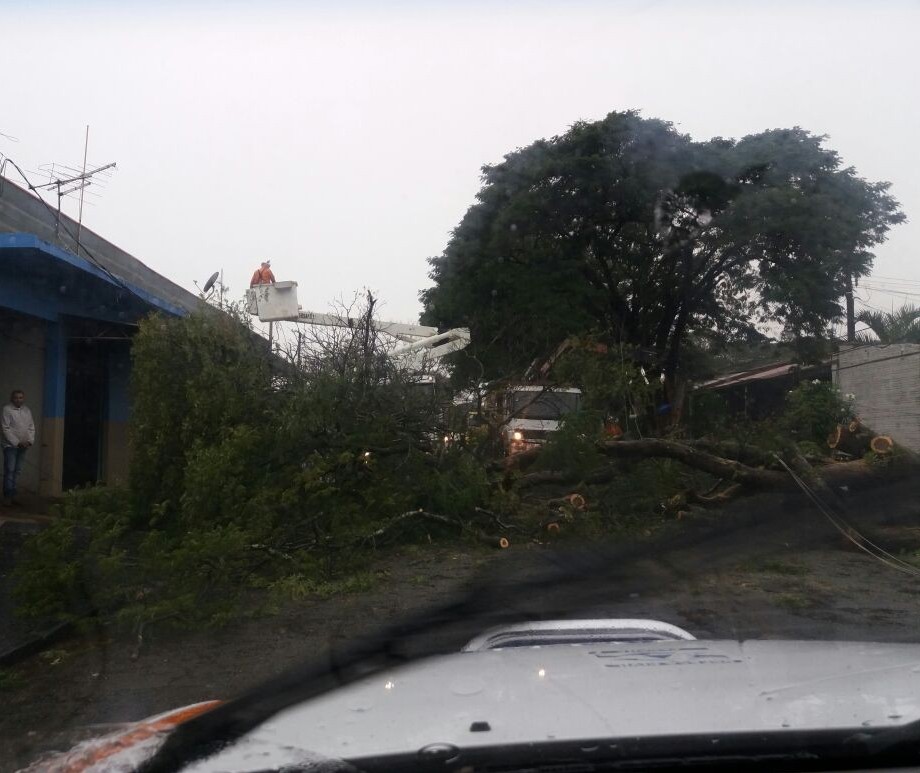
[118, 394]
[55, 377]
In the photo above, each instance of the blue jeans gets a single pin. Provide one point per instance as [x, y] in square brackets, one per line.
[12, 466]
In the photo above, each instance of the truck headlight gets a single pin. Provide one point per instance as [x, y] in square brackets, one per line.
[517, 435]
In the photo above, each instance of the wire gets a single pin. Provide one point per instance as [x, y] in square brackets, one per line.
[870, 306]
[847, 530]
[892, 279]
[21, 341]
[876, 289]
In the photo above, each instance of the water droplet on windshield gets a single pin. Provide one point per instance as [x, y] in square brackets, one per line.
[442, 752]
[467, 685]
[361, 704]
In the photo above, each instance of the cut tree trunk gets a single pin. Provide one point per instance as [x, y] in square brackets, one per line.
[854, 443]
[882, 444]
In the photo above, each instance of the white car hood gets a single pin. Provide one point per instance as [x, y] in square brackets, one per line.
[572, 692]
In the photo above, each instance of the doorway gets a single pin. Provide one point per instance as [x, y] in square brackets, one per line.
[84, 400]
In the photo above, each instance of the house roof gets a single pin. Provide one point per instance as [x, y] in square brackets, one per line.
[763, 373]
[27, 255]
[28, 226]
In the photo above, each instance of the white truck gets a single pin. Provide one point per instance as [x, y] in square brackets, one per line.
[532, 413]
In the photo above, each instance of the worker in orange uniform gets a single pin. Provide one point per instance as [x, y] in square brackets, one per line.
[263, 275]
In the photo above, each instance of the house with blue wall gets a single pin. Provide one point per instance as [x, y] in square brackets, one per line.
[68, 312]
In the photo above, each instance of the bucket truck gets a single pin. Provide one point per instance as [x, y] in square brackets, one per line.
[277, 302]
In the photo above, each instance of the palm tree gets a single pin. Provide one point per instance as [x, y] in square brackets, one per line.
[899, 327]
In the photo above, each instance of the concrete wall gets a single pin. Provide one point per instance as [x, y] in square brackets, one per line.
[33, 357]
[885, 381]
[22, 353]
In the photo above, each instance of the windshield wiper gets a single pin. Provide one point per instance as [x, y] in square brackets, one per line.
[776, 750]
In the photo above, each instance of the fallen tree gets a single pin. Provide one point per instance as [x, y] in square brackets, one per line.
[738, 476]
[748, 453]
[720, 466]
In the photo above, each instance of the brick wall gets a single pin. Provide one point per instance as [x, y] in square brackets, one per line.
[885, 381]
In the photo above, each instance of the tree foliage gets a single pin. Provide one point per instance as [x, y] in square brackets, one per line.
[629, 229]
[247, 471]
[898, 327]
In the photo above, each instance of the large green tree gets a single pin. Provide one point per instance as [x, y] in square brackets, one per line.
[627, 228]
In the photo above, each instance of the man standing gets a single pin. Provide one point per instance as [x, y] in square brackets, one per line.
[263, 275]
[17, 434]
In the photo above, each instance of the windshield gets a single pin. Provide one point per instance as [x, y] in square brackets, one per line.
[544, 405]
[434, 380]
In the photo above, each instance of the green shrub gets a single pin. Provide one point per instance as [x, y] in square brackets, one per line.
[812, 411]
[78, 563]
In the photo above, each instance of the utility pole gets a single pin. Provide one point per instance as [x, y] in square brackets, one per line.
[851, 309]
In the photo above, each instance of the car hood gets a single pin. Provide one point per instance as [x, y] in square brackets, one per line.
[574, 692]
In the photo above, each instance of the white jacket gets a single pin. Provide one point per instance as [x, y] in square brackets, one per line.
[17, 426]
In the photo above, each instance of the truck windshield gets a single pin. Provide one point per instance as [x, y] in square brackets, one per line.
[545, 405]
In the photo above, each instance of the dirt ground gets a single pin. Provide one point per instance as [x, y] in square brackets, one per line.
[776, 569]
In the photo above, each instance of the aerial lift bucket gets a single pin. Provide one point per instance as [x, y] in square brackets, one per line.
[273, 302]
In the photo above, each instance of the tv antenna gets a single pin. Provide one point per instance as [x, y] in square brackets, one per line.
[67, 180]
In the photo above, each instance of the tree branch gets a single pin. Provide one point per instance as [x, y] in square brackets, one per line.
[728, 469]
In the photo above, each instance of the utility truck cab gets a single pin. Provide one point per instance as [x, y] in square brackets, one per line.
[533, 412]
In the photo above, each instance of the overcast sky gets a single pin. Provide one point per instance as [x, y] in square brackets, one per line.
[344, 140]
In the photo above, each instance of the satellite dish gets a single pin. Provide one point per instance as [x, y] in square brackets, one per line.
[211, 280]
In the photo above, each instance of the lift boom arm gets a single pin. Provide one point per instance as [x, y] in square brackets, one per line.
[278, 303]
